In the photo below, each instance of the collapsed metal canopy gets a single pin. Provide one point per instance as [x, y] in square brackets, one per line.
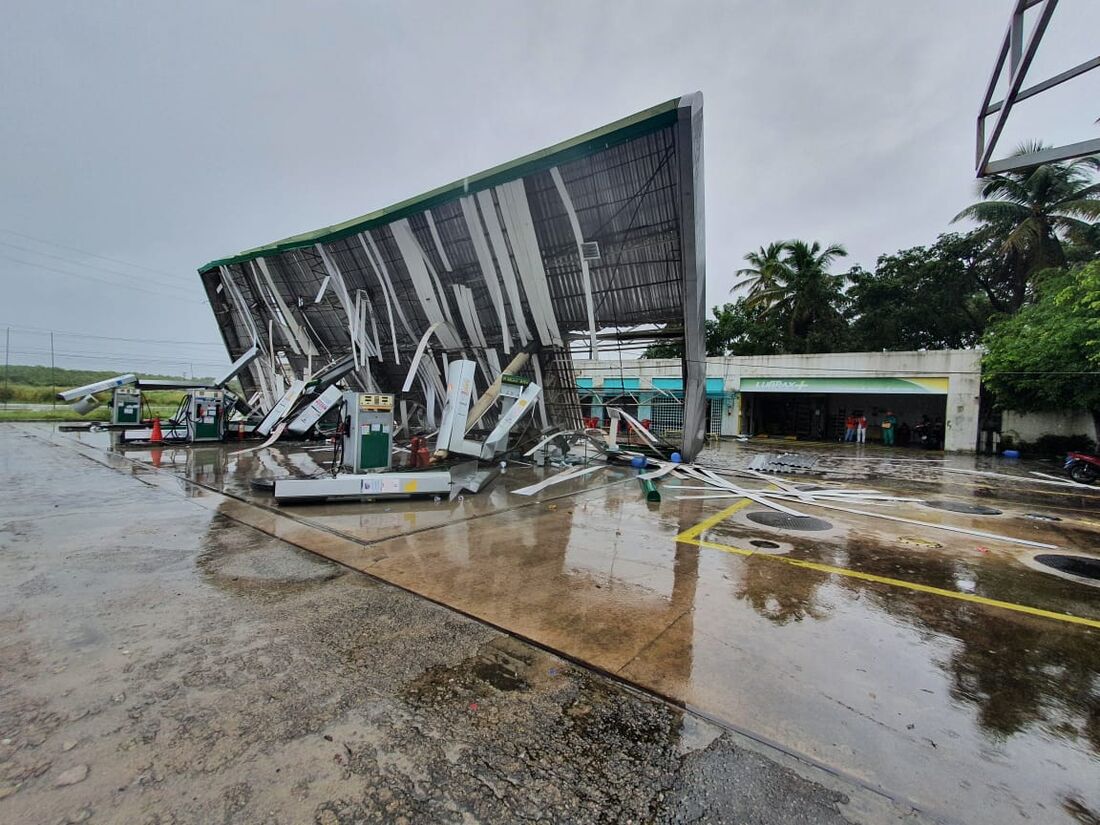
[545, 253]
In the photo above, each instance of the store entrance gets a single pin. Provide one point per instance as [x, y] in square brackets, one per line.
[787, 415]
[822, 417]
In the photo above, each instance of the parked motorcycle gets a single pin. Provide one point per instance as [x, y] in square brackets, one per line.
[1082, 467]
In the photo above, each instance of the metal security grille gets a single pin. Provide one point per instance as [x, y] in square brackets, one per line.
[666, 415]
[714, 415]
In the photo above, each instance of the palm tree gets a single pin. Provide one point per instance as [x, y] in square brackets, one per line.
[811, 292]
[791, 280]
[766, 271]
[1030, 212]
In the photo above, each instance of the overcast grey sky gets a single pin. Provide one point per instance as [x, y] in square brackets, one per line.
[168, 134]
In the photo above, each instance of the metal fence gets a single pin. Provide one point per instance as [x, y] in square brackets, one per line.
[667, 415]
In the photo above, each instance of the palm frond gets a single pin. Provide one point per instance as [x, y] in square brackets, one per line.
[1089, 164]
[993, 211]
[1083, 207]
[1003, 187]
[1068, 224]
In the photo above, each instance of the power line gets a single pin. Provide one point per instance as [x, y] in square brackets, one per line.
[80, 276]
[86, 252]
[76, 262]
[136, 355]
[71, 334]
[120, 358]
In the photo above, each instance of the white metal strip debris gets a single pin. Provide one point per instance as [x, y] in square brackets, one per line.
[586, 278]
[417, 266]
[485, 263]
[504, 264]
[752, 495]
[520, 225]
[934, 526]
[565, 475]
[436, 240]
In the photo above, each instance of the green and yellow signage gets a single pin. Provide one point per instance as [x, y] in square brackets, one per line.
[923, 385]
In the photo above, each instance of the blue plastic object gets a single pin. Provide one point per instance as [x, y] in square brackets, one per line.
[638, 461]
[1011, 453]
[676, 458]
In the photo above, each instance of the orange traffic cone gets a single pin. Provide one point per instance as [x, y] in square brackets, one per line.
[157, 437]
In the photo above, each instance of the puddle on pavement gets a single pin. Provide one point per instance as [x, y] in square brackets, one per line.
[998, 685]
[1020, 674]
[235, 560]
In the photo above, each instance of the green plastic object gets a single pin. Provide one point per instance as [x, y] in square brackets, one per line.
[649, 487]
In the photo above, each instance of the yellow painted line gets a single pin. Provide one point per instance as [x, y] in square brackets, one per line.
[921, 588]
[694, 532]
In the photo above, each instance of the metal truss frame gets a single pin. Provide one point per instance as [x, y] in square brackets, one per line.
[1016, 54]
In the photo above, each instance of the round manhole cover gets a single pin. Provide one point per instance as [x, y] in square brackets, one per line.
[1041, 517]
[918, 541]
[770, 518]
[962, 507]
[1086, 567]
[764, 544]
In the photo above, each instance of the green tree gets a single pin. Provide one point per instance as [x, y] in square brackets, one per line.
[1028, 214]
[791, 283]
[734, 330]
[767, 269]
[922, 297]
[1047, 356]
[740, 329]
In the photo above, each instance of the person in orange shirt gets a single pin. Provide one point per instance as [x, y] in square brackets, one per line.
[850, 428]
[861, 429]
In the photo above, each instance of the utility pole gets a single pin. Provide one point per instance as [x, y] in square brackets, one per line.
[7, 360]
[53, 373]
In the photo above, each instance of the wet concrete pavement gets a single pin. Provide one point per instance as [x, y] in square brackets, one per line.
[161, 662]
[824, 646]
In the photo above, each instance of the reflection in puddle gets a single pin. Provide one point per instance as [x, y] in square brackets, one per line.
[235, 561]
[937, 699]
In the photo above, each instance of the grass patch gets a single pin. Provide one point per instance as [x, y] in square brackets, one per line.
[64, 413]
[31, 394]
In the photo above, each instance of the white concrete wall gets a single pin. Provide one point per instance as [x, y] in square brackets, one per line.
[962, 368]
[1032, 426]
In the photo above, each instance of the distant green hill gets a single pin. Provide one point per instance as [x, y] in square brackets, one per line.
[38, 376]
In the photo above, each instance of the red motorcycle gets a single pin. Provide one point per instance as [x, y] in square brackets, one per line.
[1082, 468]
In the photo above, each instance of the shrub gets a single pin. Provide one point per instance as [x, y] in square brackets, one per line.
[1056, 446]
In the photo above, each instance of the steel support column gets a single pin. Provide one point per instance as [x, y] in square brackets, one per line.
[689, 140]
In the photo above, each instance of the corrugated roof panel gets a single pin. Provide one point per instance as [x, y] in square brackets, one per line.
[625, 183]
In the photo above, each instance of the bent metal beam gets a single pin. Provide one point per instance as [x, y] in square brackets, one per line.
[498, 256]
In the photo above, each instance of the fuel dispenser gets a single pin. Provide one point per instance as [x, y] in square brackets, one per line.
[368, 431]
[126, 406]
[206, 415]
